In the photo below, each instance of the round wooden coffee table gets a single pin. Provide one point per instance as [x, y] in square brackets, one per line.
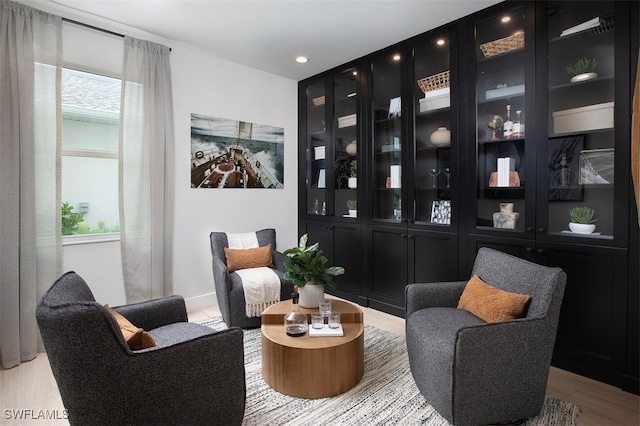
[312, 367]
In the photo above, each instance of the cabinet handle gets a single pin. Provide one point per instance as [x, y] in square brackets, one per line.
[541, 230]
[529, 249]
[403, 235]
[411, 236]
[540, 251]
[528, 229]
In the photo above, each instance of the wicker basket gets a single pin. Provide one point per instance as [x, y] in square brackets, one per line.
[318, 101]
[503, 45]
[436, 81]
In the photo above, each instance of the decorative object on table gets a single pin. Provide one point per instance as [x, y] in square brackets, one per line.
[596, 166]
[352, 148]
[494, 123]
[582, 220]
[503, 45]
[584, 69]
[317, 320]
[305, 267]
[506, 218]
[352, 182]
[352, 207]
[441, 212]
[441, 137]
[325, 308]
[334, 320]
[295, 322]
[563, 168]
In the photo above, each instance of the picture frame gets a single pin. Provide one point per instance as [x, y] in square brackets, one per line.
[564, 168]
[441, 212]
[597, 166]
[395, 107]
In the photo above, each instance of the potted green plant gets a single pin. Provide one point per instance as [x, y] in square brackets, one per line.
[353, 175]
[583, 69]
[582, 220]
[306, 268]
[352, 206]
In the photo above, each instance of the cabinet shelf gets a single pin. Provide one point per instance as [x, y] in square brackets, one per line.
[489, 142]
[504, 192]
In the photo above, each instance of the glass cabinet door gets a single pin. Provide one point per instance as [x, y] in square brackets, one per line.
[316, 149]
[387, 138]
[580, 152]
[501, 117]
[433, 124]
[345, 143]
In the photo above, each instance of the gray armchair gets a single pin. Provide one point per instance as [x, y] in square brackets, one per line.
[229, 290]
[194, 375]
[473, 372]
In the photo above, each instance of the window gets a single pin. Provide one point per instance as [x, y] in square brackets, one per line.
[90, 119]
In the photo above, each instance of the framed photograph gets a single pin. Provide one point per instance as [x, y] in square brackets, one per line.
[596, 166]
[441, 212]
[395, 108]
[564, 168]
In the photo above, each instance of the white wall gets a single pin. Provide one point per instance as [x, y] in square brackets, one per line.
[210, 86]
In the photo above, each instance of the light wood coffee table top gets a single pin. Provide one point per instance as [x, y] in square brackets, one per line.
[312, 367]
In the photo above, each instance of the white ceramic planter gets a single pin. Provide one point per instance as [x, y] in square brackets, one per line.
[353, 213]
[352, 182]
[582, 228]
[311, 295]
[584, 77]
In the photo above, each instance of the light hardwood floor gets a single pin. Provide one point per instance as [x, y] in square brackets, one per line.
[31, 386]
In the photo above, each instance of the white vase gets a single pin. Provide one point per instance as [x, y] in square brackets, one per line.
[352, 182]
[353, 213]
[311, 295]
[582, 228]
[584, 77]
[441, 137]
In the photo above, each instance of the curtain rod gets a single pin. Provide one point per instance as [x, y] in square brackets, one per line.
[93, 27]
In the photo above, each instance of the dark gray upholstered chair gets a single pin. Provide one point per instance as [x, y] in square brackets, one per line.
[194, 375]
[476, 373]
[229, 289]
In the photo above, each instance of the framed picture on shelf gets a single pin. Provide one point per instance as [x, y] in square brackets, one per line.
[596, 166]
[395, 108]
[564, 168]
[441, 212]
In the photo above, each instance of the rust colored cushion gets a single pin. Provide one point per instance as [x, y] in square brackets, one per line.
[135, 337]
[492, 304]
[248, 258]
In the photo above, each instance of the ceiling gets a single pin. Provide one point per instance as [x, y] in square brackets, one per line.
[270, 34]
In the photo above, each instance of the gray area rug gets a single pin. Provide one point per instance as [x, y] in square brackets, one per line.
[386, 395]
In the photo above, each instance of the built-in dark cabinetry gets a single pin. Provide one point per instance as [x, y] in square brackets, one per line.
[476, 134]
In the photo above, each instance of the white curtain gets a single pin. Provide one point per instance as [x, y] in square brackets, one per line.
[146, 171]
[30, 138]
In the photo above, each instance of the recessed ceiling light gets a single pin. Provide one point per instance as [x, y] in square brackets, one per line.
[440, 42]
[396, 57]
[302, 59]
[506, 19]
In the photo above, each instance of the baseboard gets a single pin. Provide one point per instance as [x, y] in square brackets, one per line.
[200, 302]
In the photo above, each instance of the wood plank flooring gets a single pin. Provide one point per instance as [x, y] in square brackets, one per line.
[31, 386]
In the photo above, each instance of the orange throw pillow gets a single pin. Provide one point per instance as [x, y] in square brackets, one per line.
[135, 337]
[492, 304]
[248, 258]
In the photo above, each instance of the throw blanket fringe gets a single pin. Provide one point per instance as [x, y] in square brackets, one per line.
[261, 289]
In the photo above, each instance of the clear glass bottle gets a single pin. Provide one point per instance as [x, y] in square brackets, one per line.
[508, 125]
[518, 126]
[295, 322]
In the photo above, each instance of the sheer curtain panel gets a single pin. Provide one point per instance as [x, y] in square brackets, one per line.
[146, 170]
[30, 134]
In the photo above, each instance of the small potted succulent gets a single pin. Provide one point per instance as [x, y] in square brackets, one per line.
[353, 175]
[582, 220]
[583, 69]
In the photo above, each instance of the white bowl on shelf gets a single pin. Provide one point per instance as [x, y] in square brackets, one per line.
[582, 228]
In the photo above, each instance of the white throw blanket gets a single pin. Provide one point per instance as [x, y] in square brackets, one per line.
[261, 285]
